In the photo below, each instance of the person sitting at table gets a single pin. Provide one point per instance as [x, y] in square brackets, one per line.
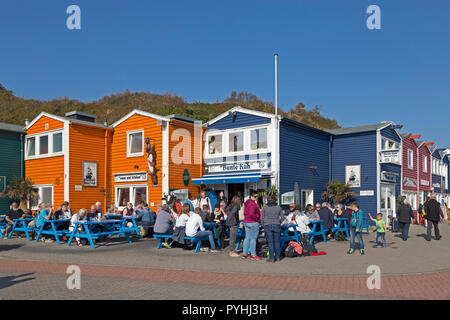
[45, 214]
[78, 217]
[208, 216]
[327, 217]
[14, 213]
[163, 223]
[145, 218]
[311, 213]
[92, 214]
[98, 207]
[219, 218]
[63, 212]
[112, 209]
[180, 226]
[195, 228]
[128, 211]
[300, 219]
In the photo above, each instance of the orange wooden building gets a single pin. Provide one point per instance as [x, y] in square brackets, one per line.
[67, 158]
[152, 155]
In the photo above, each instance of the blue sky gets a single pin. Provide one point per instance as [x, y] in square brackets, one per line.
[202, 50]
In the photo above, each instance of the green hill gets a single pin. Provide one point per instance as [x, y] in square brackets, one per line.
[15, 109]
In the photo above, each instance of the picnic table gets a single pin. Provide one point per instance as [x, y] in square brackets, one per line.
[53, 230]
[135, 227]
[85, 229]
[2, 225]
[314, 232]
[21, 225]
[212, 225]
[113, 216]
[341, 225]
[285, 237]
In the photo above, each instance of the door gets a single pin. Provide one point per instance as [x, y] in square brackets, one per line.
[307, 198]
[388, 204]
[235, 189]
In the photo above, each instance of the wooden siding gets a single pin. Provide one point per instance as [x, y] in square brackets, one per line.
[39, 126]
[409, 144]
[391, 134]
[241, 120]
[121, 164]
[423, 150]
[10, 161]
[301, 148]
[357, 149]
[86, 144]
[48, 171]
[176, 170]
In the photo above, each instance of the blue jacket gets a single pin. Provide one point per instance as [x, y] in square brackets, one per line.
[146, 215]
[357, 219]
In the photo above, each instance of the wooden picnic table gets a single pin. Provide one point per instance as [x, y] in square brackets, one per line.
[21, 225]
[53, 230]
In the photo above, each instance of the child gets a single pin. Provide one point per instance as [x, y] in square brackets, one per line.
[355, 228]
[381, 229]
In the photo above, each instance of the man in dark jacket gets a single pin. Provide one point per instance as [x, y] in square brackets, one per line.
[432, 209]
[404, 216]
[327, 216]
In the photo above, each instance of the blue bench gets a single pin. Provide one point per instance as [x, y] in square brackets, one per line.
[314, 232]
[285, 237]
[339, 227]
[22, 225]
[2, 225]
[163, 237]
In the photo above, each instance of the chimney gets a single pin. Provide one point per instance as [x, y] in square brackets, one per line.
[78, 115]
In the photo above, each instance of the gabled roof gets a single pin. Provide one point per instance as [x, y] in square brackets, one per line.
[11, 127]
[142, 113]
[64, 119]
[359, 129]
[185, 119]
[242, 110]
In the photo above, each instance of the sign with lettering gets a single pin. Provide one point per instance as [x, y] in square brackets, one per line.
[366, 193]
[390, 156]
[238, 166]
[425, 183]
[388, 177]
[436, 185]
[133, 177]
[408, 182]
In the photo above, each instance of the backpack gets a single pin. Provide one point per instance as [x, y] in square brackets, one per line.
[340, 236]
[290, 252]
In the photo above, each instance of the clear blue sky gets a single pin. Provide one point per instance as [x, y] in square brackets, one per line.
[204, 49]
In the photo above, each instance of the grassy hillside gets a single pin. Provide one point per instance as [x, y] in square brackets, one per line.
[15, 110]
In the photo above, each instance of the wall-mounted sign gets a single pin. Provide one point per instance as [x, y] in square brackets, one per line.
[287, 198]
[239, 166]
[388, 177]
[408, 182]
[436, 185]
[425, 183]
[89, 174]
[353, 175]
[78, 188]
[132, 177]
[186, 177]
[366, 193]
[390, 156]
[2, 183]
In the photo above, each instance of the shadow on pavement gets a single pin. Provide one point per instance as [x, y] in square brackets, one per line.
[9, 281]
[6, 247]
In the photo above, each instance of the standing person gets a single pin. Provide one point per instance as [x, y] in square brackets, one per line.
[356, 224]
[432, 215]
[233, 224]
[327, 216]
[204, 200]
[195, 228]
[221, 226]
[271, 217]
[252, 217]
[381, 229]
[404, 217]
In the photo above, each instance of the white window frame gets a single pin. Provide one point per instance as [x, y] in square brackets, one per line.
[132, 188]
[137, 154]
[425, 163]
[250, 139]
[247, 142]
[384, 140]
[62, 141]
[410, 159]
[40, 187]
[411, 197]
[37, 139]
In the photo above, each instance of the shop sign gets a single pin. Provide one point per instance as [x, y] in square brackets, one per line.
[366, 193]
[436, 185]
[425, 183]
[134, 177]
[238, 166]
[408, 182]
[388, 177]
[186, 177]
[390, 156]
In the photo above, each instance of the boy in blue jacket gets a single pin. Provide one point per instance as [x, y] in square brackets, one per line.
[356, 224]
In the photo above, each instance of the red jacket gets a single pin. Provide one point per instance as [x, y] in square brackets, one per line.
[252, 213]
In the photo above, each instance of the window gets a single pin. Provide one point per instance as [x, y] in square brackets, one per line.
[140, 194]
[133, 194]
[236, 142]
[31, 146]
[43, 144]
[389, 145]
[123, 196]
[425, 164]
[258, 139]
[215, 144]
[135, 142]
[45, 194]
[410, 159]
[57, 142]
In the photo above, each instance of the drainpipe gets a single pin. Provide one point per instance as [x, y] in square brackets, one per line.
[22, 156]
[330, 172]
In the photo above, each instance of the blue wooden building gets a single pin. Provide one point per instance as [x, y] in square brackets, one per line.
[247, 149]
[11, 158]
[369, 159]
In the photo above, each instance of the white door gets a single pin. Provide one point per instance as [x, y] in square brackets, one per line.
[388, 203]
[307, 198]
